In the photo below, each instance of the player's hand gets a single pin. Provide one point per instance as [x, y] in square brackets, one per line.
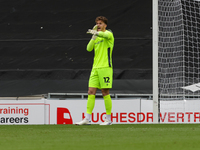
[93, 31]
[95, 28]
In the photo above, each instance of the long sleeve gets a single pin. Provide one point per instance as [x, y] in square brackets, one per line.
[90, 45]
[106, 35]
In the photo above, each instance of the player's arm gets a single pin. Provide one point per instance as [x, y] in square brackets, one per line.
[90, 45]
[106, 35]
[95, 33]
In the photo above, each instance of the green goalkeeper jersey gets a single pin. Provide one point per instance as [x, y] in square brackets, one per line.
[103, 47]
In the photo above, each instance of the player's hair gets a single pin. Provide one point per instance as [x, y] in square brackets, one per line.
[102, 18]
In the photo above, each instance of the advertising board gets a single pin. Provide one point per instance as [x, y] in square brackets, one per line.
[22, 112]
[124, 111]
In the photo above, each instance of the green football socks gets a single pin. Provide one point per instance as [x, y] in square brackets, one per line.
[90, 103]
[108, 104]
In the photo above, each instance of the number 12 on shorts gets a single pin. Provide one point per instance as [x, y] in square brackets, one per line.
[106, 79]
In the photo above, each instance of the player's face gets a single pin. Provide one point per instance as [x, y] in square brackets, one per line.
[101, 26]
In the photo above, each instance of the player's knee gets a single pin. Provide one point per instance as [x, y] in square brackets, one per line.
[105, 92]
[91, 92]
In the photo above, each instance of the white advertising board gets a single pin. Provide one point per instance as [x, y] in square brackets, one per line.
[22, 112]
[147, 111]
[181, 111]
[124, 111]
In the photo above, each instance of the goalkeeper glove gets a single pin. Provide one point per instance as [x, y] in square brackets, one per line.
[93, 32]
[95, 28]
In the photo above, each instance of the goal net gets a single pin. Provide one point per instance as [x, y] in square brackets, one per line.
[178, 49]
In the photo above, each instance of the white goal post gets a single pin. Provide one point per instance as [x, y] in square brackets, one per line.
[155, 62]
[176, 51]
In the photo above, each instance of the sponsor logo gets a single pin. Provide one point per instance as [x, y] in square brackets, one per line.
[140, 117]
[180, 117]
[14, 120]
[64, 116]
[99, 42]
[123, 117]
[9, 112]
[14, 110]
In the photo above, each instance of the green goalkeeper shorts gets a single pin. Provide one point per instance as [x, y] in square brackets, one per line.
[101, 78]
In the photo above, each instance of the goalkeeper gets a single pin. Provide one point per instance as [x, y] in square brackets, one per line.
[101, 76]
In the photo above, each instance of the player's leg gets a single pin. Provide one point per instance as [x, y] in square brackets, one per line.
[93, 85]
[90, 107]
[90, 102]
[108, 106]
[106, 79]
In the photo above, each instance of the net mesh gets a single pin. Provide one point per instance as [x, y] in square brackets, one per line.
[178, 48]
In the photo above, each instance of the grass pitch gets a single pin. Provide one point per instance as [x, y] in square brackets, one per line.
[95, 137]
